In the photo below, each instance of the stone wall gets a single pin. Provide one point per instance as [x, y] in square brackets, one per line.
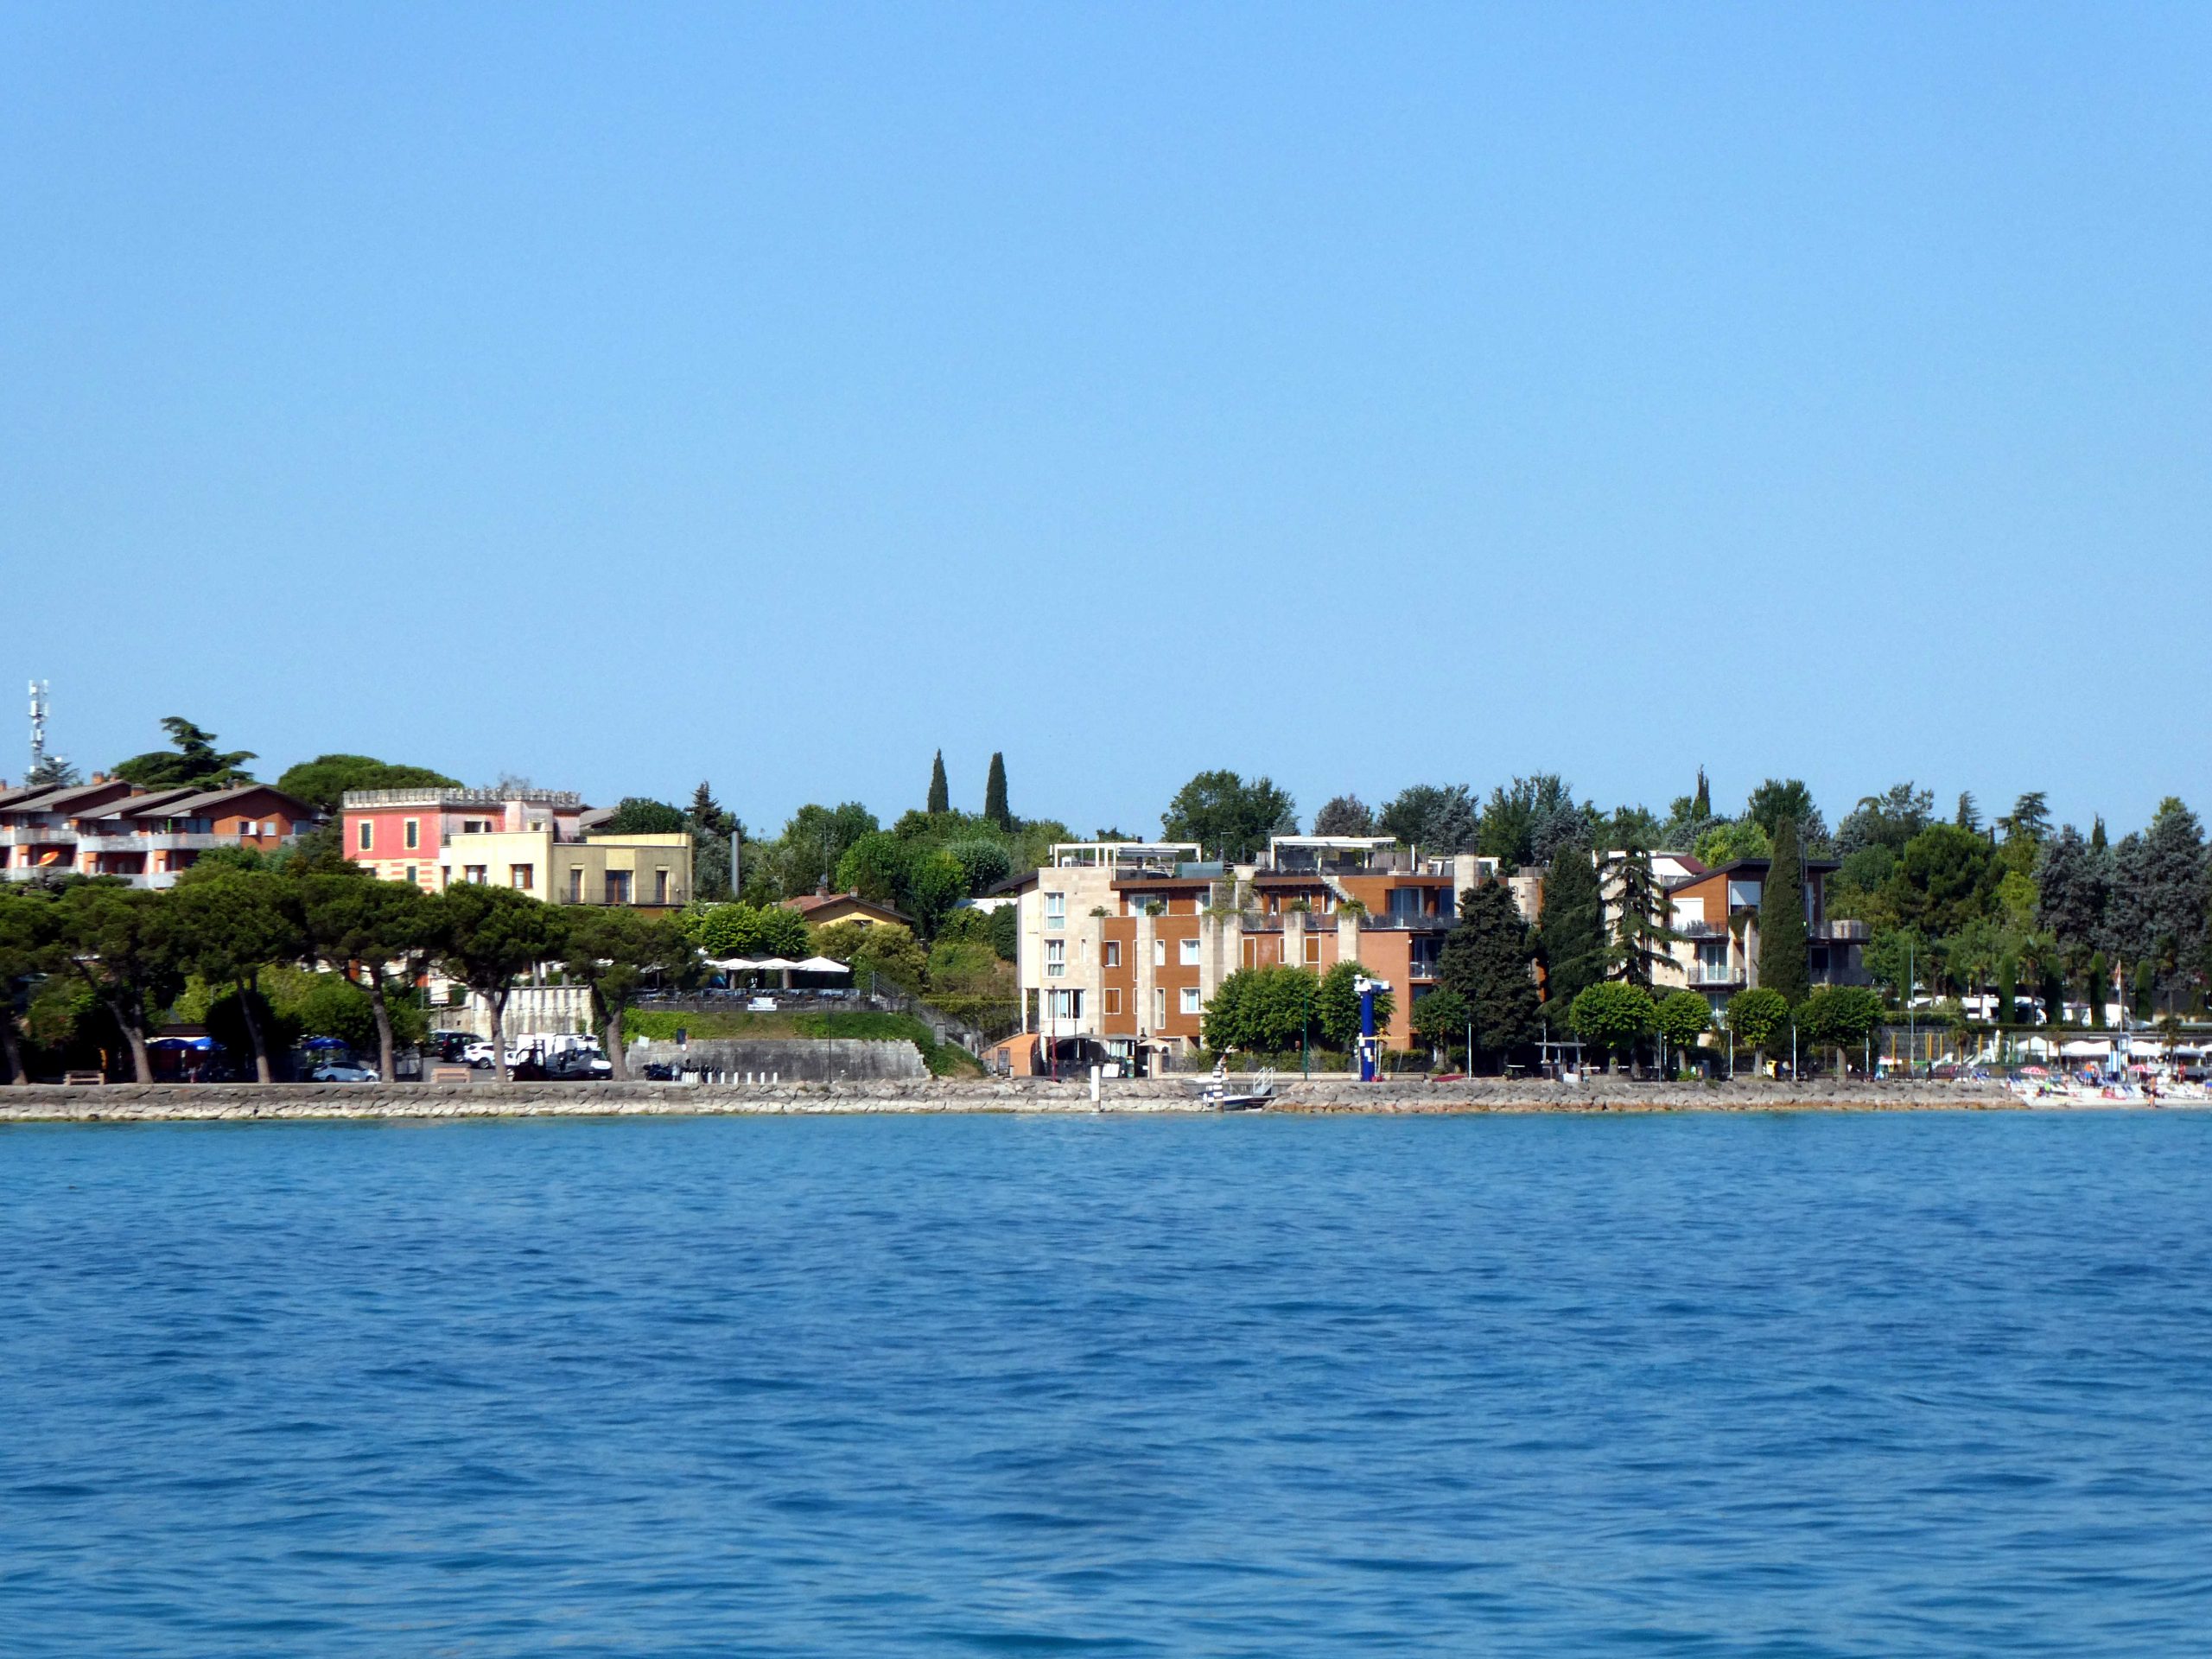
[178, 1102]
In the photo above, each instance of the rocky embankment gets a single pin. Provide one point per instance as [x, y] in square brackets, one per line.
[154, 1103]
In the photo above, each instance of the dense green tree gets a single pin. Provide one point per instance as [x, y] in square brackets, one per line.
[995, 803]
[1727, 842]
[1525, 820]
[940, 798]
[1701, 803]
[227, 928]
[743, 930]
[1943, 880]
[807, 853]
[2029, 820]
[323, 781]
[1345, 815]
[1897, 957]
[613, 951]
[2007, 1012]
[1262, 1011]
[2073, 887]
[1640, 933]
[1336, 1005]
[1754, 1017]
[1228, 818]
[1682, 1018]
[1969, 815]
[1436, 817]
[1777, 800]
[379, 935]
[1006, 932]
[193, 762]
[639, 815]
[1614, 1017]
[2099, 987]
[1440, 1019]
[886, 950]
[1887, 820]
[984, 864]
[1784, 964]
[1489, 960]
[932, 882]
[711, 830]
[490, 937]
[1840, 1017]
[1571, 931]
[122, 942]
[2162, 891]
[30, 930]
[51, 772]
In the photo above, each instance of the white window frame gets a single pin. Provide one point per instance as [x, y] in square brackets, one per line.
[1187, 952]
[365, 839]
[1056, 910]
[1056, 958]
[1190, 1004]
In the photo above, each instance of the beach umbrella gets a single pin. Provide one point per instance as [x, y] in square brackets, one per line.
[821, 965]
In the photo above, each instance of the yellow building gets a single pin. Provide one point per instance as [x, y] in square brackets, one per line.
[649, 872]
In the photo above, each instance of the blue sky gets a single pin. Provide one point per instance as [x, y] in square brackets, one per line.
[1364, 396]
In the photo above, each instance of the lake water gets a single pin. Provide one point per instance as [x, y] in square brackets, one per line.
[1869, 1385]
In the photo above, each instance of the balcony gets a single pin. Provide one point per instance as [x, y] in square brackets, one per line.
[1701, 930]
[1704, 977]
[1840, 932]
[37, 834]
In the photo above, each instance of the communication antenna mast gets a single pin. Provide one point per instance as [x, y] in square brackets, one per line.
[38, 725]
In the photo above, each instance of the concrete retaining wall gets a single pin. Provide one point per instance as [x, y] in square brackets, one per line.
[189, 1101]
[789, 1059]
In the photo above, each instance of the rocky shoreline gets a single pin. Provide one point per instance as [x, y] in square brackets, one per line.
[178, 1102]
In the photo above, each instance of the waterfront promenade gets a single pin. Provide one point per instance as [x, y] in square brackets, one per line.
[128, 1102]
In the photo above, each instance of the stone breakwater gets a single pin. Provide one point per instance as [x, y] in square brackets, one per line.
[181, 1102]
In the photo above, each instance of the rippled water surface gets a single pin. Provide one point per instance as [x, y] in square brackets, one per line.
[1729, 1385]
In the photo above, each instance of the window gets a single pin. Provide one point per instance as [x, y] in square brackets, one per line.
[1189, 954]
[521, 876]
[617, 887]
[412, 880]
[1159, 1006]
[1159, 951]
[1313, 950]
[445, 876]
[474, 874]
[1113, 953]
[1190, 998]
[366, 837]
[411, 833]
[575, 884]
[1056, 958]
[1056, 910]
[1113, 1000]
[660, 886]
[1063, 1005]
[476, 826]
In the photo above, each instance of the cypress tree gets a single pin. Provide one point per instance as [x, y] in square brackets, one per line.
[1783, 963]
[1571, 930]
[2099, 988]
[1701, 808]
[2008, 984]
[994, 807]
[940, 796]
[1488, 960]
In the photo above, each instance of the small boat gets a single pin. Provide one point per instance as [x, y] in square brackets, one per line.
[1216, 1092]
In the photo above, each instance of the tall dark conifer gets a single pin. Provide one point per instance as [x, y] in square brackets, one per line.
[994, 807]
[1784, 964]
[1489, 960]
[1701, 808]
[940, 794]
[1571, 930]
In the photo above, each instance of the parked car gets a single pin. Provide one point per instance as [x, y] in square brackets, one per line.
[342, 1072]
[579, 1065]
[478, 1052]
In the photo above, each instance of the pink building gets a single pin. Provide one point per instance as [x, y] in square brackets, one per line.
[402, 833]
